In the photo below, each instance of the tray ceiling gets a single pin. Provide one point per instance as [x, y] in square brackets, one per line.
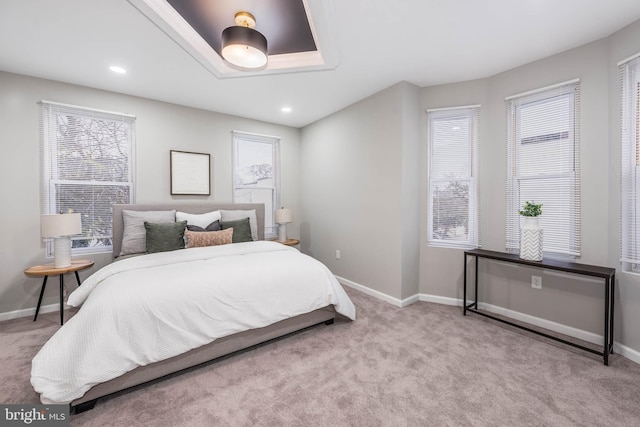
[296, 42]
[365, 46]
[283, 22]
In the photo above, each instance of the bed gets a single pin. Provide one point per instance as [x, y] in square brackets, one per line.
[302, 295]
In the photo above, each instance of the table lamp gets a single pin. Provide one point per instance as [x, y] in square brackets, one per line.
[60, 227]
[283, 216]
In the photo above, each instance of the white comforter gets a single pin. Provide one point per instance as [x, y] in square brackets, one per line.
[153, 307]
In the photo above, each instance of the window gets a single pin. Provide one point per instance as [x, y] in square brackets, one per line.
[88, 166]
[543, 159]
[453, 180]
[256, 178]
[630, 172]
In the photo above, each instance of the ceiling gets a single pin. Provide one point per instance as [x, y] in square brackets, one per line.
[375, 43]
[283, 22]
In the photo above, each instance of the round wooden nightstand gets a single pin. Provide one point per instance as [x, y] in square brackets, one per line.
[289, 242]
[44, 270]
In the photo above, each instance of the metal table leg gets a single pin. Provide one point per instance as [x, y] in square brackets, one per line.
[44, 284]
[464, 291]
[611, 317]
[475, 305]
[606, 321]
[61, 299]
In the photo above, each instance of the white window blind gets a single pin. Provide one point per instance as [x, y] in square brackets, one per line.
[543, 165]
[88, 166]
[453, 169]
[256, 175]
[630, 172]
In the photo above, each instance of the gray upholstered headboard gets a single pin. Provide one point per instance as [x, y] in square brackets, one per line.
[194, 208]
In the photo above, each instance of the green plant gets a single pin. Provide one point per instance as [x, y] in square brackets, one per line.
[531, 209]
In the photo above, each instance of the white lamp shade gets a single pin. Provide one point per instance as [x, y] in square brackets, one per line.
[58, 225]
[244, 47]
[283, 216]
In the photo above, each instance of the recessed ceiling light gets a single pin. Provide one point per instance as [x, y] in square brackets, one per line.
[286, 109]
[117, 69]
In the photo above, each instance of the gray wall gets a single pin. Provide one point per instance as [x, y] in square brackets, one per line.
[358, 172]
[621, 45]
[410, 210]
[565, 300]
[574, 303]
[356, 196]
[160, 127]
[441, 268]
[356, 181]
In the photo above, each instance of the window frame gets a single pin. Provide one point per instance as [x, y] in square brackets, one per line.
[270, 228]
[514, 104]
[50, 145]
[472, 114]
[630, 164]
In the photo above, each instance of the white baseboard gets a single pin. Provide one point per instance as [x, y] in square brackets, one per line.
[543, 323]
[526, 318]
[408, 301]
[30, 312]
[618, 348]
[377, 294]
[440, 300]
[627, 352]
[587, 336]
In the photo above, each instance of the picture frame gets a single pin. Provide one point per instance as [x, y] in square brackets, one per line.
[190, 173]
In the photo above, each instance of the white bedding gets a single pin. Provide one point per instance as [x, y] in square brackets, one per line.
[153, 307]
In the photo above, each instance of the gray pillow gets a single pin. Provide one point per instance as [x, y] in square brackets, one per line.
[199, 220]
[240, 214]
[134, 240]
[167, 236]
[241, 230]
[214, 226]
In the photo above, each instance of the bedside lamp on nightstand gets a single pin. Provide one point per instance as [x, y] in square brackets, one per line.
[60, 227]
[283, 217]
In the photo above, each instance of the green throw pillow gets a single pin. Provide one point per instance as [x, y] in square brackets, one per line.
[241, 230]
[166, 236]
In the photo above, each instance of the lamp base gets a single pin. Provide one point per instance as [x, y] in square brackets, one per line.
[61, 252]
[282, 233]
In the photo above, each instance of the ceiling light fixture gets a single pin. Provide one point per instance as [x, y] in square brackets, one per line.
[286, 109]
[242, 46]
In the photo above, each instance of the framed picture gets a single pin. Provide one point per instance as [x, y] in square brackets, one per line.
[190, 173]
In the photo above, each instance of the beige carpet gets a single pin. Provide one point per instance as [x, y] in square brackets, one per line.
[424, 365]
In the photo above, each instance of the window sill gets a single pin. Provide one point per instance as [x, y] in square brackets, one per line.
[445, 245]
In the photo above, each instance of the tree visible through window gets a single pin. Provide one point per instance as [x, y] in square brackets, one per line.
[453, 141]
[255, 173]
[88, 167]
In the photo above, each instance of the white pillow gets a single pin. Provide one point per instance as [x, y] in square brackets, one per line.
[235, 215]
[134, 236]
[200, 220]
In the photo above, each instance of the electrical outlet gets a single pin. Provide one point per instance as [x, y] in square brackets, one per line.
[536, 282]
[337, 253]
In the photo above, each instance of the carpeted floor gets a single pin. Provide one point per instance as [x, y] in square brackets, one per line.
[423, 365]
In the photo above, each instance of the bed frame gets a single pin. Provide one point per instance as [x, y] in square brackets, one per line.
[218, 348]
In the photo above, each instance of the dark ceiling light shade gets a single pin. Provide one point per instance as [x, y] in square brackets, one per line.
[242, 46]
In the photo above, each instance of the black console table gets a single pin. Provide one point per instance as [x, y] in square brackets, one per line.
[606, 273]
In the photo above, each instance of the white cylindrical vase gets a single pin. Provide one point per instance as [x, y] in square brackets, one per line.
[531, 239]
